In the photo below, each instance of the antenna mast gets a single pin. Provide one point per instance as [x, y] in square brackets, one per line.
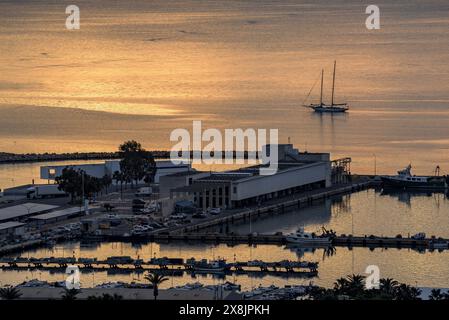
[333, 84]
[321, 92]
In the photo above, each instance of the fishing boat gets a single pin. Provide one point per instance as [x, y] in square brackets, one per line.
[405, 180]
[210, 266]
[309, 239]
[333, 107]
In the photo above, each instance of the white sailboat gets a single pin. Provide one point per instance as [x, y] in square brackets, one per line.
[333, 107]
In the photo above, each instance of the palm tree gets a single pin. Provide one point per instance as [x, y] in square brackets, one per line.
[106, 182]
[436, 294]
[388, 286]
[9, 293]
[341, 286]
[352, 286]
[70, 294]
[406, 292]
[119, 178]
[155, 279]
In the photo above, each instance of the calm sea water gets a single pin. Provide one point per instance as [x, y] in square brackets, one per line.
[139, 69]
[366, 212]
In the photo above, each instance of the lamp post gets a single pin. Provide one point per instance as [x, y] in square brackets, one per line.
[375, 164]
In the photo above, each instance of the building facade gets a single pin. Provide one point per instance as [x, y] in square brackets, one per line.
[297, 172]
[99, 170]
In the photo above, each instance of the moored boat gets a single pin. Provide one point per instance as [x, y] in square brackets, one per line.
[333, 107]
[301, 237]
[404, 180]
[204, 265]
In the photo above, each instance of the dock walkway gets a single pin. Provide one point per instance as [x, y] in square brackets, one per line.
[279, 205]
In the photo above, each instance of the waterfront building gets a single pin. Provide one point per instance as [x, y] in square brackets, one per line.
[108, 167]
[297, 172]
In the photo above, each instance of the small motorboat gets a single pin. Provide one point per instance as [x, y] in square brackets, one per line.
[309, 239]
[204, 265]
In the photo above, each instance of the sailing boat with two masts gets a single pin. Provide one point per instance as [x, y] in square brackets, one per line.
[333, 107]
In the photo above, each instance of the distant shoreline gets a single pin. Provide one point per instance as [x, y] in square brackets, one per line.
[14, 158]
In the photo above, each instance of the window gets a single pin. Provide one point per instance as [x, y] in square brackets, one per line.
[234, 189]
[51, 172]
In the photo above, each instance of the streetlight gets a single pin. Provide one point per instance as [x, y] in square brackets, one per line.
[375, 164]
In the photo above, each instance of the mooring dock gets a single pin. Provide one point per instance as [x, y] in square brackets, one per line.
[280, 239]
[278, 206]
[167, 266]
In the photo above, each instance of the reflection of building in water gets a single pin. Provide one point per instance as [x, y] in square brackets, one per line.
[341, 205]
[315, 215]
[301, 251]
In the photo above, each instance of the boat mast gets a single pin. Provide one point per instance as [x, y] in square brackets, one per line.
[333, 85]
[321, 92]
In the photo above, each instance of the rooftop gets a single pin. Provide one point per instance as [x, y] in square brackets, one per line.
[24, 209]
[11, 224]
[184, 173]
[59, 213]
[246, 172]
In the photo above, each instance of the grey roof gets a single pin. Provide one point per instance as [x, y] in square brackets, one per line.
[184, 173]
[11, 224]
[22, 210]
[59, 213]
[225, 176]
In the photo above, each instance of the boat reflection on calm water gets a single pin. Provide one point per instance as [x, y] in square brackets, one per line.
[405, 196]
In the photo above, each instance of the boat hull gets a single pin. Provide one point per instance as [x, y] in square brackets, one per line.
[405, 184]
[209, 270]
[329, 109]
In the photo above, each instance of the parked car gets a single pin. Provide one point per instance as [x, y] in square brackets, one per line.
[215, 211]
[144, 192]
[178, 216]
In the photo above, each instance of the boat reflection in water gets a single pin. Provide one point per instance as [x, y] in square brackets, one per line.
[406, 196]
[311, 239]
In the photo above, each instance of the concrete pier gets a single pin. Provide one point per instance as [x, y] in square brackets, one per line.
[279, 206]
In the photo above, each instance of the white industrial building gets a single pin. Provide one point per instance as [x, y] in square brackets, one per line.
[297, 172]
[108, 167]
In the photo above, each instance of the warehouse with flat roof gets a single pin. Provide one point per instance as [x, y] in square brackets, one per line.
[24, 210]
[56, 216]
